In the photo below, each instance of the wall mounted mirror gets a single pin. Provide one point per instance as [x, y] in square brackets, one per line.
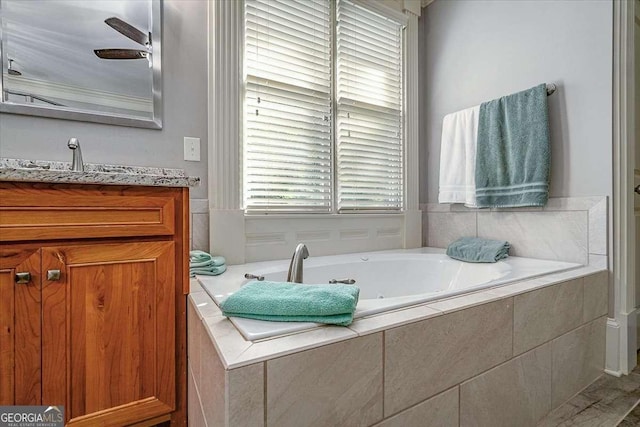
[96, 61]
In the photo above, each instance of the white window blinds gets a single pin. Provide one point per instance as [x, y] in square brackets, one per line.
[369, 104]
[287, 127]
[323, 108]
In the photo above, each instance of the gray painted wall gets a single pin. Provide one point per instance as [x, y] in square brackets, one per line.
[184, 70]
[473, 51]
[636, 47]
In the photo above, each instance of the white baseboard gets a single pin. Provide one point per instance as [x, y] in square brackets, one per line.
[630, 336]
[622, 333]
[613, 373]
[612, 355]
[638, 330]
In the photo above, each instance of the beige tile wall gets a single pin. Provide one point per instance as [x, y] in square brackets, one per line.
[441, 410]
[226, 397]
[543, 314]
[212, 384]
[194, 409]
[503, 363]
[568, 229]
[199, 224]
[442, 228]
[515, 393]
[545, 235]
[335, 385]
[577, 360]
[445, 350]
[246, 395]
[596, 293]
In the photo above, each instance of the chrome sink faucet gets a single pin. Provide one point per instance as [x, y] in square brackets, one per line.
[77, 165]
[295, 268]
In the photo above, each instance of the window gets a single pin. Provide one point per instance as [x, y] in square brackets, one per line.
[322, 108]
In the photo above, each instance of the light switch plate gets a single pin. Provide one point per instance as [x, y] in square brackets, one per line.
[191, 149]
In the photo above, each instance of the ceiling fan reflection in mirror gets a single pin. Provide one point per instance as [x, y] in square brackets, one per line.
[11, 69]
[130, 32]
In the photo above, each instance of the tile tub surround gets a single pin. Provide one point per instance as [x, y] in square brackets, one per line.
[572, 229]
[199, 231]
[431, 361]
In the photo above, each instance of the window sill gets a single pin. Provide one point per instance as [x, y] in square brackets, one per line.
[379, 215]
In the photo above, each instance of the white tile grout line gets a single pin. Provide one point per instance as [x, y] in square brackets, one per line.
[459, 403]
[384, 356]
[264, 393]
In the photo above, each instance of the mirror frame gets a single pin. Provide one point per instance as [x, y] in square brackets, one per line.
[68, 113]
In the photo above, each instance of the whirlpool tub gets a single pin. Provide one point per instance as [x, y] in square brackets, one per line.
[388, 280]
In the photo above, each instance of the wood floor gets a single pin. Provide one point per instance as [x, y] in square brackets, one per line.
[607, 402]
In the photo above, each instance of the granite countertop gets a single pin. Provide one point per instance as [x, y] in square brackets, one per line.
[60, 172]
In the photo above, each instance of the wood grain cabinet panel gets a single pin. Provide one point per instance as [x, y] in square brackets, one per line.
[19, 328]
[100, 327]
[111, 314]
[39, 214]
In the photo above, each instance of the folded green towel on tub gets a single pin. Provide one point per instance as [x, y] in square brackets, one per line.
[208, 271]
[204, 264]
[474, 249]
[293, 302]
[202, 259]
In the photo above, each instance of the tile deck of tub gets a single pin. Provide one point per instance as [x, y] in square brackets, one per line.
[499, 357]
[235, 351]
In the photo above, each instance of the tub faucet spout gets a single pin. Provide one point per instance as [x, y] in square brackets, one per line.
[295, 268]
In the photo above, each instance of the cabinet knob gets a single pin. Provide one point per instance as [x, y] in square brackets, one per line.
[22, 278]
[53, 275]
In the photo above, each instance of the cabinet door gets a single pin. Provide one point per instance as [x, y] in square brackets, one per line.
[19, 326]
[108, 331]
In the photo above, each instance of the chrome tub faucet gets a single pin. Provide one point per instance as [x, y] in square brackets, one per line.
[295, 268]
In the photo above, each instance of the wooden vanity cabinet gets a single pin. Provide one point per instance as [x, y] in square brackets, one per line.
[100, 324]
[20, 327]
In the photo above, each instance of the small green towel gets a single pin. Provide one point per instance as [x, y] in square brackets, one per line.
[203, 263]
[473, 249]
[203, 259]
[293, 302]
[207, 271]
[513, 154]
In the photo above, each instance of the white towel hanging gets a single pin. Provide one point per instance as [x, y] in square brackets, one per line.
[458, 157]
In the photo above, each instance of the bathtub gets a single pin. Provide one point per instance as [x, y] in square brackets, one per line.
[388, 280]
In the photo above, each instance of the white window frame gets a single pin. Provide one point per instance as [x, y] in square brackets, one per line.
[245, 238]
